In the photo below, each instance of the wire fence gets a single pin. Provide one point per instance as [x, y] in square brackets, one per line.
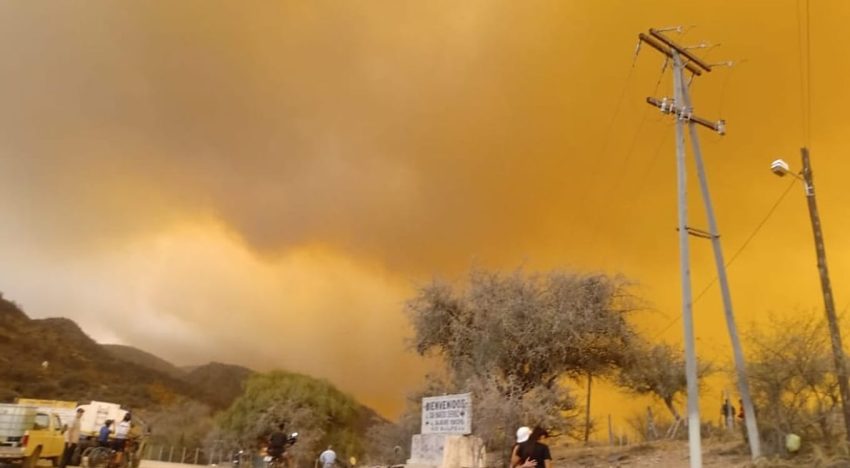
[189, 455]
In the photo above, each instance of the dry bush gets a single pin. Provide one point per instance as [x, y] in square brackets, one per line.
[658, 370]
[501, 405]
[793, 383]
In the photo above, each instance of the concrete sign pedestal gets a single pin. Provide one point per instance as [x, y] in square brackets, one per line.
[446, 451]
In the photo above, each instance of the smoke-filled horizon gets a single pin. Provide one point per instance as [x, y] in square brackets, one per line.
[266, 185]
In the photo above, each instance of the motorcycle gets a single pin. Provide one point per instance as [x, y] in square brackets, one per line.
[236, 460]
[281, 461]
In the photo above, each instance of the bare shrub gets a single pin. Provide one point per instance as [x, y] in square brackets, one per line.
[659, 370]
[793, 382]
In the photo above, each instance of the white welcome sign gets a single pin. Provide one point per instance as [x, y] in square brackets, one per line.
[447, 414]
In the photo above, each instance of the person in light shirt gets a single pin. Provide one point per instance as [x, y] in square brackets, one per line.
[327, 458]
[122, 430]
[72, 438]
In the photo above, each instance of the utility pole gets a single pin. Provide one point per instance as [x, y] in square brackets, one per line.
[682, 109]
[826, 287]
[720, 264]
[694, 427]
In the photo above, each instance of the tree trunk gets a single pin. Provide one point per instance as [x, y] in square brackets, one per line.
[587, 410]
[669, 403]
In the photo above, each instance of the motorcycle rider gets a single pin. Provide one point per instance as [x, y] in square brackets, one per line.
[277, 442]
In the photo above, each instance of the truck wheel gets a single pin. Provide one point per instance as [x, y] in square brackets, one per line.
[54, 461]
[76, 456]
[32, 460]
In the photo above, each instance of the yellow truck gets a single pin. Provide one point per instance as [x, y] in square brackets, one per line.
[66, 410]
[28, 434]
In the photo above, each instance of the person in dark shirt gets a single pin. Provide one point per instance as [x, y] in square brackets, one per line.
[277, 442]
[522, 435]
[534, 450]
[103, 435]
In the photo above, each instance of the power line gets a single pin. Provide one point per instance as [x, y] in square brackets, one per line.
[594, 174]
[723, 92]
[649, 167]
[749, 239]
[617, 108]
[808, 77]
[737, 253]
[804, 55]
[626, 158]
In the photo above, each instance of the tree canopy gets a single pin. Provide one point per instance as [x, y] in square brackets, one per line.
[532, 328]
[314, 408]
[511, 338]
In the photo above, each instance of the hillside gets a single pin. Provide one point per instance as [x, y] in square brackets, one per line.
[54, 359]
[144, 359]
[219, 383]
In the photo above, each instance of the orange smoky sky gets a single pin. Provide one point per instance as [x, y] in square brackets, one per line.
[266, 183]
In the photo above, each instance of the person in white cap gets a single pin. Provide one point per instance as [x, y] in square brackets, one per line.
[534, 450]
[522, 435]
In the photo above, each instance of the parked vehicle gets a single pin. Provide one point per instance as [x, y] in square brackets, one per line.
[96, 413]
[66, 410]
[28, 434]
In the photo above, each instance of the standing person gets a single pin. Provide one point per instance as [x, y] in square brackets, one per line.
[122, 430]
[534, 451]
[103, 435]
[328, 458]
[522, 435]
[727, 410]
[742, 418]
[72, 438]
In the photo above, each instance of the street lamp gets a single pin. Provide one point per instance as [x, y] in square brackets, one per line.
[781, 168]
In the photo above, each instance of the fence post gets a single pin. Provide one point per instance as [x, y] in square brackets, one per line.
[161, 449]
[183, 457]
[197, 452]
[170, 454]
[651, 432]
[610, 431]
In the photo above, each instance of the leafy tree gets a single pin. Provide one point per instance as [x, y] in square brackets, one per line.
[184, 422]
[315, 409]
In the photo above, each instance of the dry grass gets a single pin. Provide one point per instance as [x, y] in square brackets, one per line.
[660, 454]
[674, 454]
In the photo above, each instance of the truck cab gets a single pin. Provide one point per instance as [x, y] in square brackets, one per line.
[28, 434]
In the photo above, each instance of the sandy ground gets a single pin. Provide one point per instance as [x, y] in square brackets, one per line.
[159, 464]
